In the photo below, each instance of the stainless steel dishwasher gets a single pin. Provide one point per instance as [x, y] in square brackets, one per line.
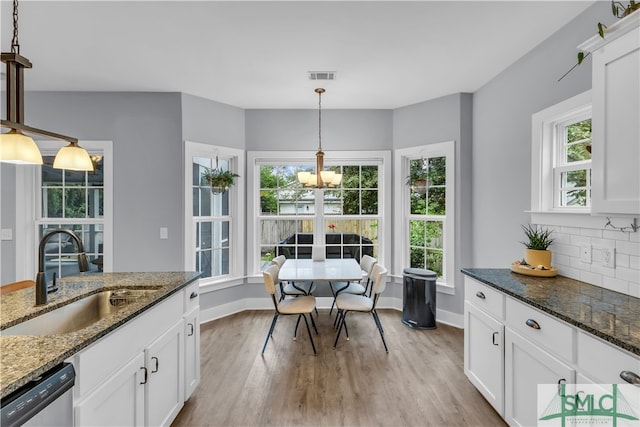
[46, 401]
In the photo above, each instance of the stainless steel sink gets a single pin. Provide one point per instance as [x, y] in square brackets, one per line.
[79, 314]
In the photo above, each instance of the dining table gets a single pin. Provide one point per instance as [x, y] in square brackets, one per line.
[332, 270]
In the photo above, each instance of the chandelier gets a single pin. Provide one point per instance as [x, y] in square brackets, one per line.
[15, 146]
[322, 178]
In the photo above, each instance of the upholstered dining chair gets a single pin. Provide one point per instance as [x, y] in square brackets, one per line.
[291, 288]
[347, 303]
[300, 306]
[366, 265]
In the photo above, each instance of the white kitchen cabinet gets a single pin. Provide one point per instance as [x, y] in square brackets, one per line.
[164, 361]
[616, 108]
[118, 401]
[527, 366]
[192, 351]
[484, 354]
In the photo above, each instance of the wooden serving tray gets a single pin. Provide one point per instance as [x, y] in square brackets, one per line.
[528, 271]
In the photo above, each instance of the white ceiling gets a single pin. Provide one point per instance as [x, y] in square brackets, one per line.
[387, 54]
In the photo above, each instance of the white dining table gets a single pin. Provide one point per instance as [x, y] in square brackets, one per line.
[329, 270]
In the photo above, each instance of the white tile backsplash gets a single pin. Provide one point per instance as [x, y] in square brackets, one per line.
[624, 278]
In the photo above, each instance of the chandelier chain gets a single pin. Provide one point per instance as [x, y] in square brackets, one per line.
[15, 45]
[319, 121]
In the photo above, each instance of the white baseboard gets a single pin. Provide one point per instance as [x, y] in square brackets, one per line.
[208, 314]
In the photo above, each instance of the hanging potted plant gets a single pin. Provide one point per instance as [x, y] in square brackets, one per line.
[219, 180]
[418, 180]
[536, 253]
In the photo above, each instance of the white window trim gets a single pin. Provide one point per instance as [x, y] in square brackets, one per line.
[28, 205]
[308, 157]
[236, 212]
[543, 152]
[401, 201]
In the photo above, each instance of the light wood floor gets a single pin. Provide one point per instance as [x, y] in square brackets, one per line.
[420, 382]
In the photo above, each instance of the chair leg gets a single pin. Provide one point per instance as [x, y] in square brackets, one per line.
[295, 332]
[341, 324]
[379, 325]
[309, 332]
[313, 323]
[273, 325]
[378, 322]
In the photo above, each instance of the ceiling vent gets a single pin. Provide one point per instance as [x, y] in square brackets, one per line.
[322, 75]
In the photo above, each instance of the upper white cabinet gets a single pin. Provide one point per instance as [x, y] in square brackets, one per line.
[616, 112]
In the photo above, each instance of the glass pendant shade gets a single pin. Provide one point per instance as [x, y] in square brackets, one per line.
[327, 176]
[337, 179]
[303, 177]
[73, 157]
[16, 147]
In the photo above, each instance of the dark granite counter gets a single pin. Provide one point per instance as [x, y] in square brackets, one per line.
[610, 315]
[25, 357]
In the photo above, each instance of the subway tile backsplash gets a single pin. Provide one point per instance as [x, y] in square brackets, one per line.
[624, 278]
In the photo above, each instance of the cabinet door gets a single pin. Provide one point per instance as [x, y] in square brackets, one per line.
[616, 134]
[484, 355]
[527, 366]
[164, 360]
[192, 351]
[119, 401]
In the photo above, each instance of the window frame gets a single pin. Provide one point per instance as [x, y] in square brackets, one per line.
[29, 208]
[331, 158]
[236, 160]
[547, 149]
[446, 284]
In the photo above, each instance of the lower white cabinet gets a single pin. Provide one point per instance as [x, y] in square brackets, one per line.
[141, 373]
[123, 390]
[191, 351]
[164, 362]
[484, 354]
[527, 366]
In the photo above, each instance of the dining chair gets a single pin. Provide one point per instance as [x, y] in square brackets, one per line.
[346, 303]
[292, 288]
[300, 306]
[366, 265]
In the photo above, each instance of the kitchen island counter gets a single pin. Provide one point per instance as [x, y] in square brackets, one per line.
[25, 357]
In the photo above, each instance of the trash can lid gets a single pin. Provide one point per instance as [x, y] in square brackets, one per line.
[420, 272]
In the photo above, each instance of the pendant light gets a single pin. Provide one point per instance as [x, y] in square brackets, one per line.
[321, 178]
[15, 146]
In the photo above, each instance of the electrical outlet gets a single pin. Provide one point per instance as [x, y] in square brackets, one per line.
[164, 233]
[609, 257]
[585, 253]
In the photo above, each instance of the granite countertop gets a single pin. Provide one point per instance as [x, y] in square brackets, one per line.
[610, 315]
[25, 357]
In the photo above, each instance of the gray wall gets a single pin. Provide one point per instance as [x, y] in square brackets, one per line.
[502, 112]
[444, 119]
[298, 130]
[210, 122]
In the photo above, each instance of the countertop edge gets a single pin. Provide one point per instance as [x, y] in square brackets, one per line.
[572, 321]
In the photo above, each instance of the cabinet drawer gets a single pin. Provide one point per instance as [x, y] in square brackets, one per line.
[484, 297]
[191, 296]
[603, 362]
[551, 333]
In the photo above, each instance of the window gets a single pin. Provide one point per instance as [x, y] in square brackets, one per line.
[561, 157]
[425, 195]
[213, 235]
[572, 168]
[291, 218]
[48, 198]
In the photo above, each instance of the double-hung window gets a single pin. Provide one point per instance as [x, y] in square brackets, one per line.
[561, 157]
[213, 229]
[425, 205]
[290, 218]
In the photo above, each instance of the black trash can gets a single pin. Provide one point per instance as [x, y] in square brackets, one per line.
[419, 298]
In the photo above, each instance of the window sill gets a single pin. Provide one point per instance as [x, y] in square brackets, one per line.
[441, 287]
[216, 285]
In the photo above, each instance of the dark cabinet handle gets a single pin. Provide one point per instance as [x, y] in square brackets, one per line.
[493, 338]
[532, 324]
[194, 294]
[157, 365]
[480, 295]
[146, 375]
[630, 377]
[192, 329]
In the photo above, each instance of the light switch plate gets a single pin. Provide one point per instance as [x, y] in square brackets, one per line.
[585, 253]
[609, 257]
[6, 234]
[164, 233]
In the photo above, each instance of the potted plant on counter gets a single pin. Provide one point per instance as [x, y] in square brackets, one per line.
[536, 253]
[219, 180]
